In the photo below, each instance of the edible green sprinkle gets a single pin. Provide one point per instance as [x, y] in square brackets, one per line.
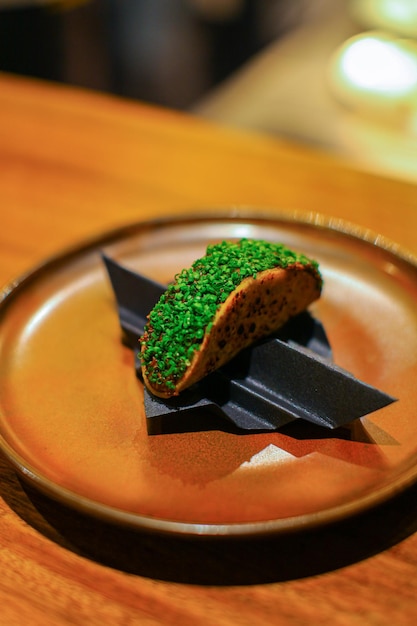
[184, 313]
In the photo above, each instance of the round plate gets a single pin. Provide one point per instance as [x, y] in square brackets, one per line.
[71, 407]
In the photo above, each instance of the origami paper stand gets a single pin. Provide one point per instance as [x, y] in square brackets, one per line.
[287, 376]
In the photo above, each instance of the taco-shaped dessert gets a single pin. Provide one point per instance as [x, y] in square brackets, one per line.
[239, 292]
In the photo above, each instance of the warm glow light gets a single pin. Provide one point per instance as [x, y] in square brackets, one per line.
[396, 16]
[399, 10]
[376, 74]
[374, 77]
[373, 64]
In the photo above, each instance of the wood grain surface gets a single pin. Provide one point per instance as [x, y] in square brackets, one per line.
[74, 164]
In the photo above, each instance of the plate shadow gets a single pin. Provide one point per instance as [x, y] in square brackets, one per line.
[215, 561]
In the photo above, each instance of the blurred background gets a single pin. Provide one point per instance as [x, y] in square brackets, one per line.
[169, 52]
[337, 74]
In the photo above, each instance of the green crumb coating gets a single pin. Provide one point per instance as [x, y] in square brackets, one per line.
[184, 313]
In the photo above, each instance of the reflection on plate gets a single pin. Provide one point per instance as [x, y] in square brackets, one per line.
[71, 408]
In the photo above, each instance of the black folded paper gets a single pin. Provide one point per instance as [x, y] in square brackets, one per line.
[290, 375]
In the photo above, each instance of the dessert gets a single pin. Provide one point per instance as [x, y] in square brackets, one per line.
[239, 292]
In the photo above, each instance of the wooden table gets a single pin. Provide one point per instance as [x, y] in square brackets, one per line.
[74, 164]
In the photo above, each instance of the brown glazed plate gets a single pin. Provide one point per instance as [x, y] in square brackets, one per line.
[72, 421]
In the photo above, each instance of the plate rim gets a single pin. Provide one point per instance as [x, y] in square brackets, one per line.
[138, 521]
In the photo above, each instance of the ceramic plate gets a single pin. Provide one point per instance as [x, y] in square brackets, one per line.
[71, 407]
